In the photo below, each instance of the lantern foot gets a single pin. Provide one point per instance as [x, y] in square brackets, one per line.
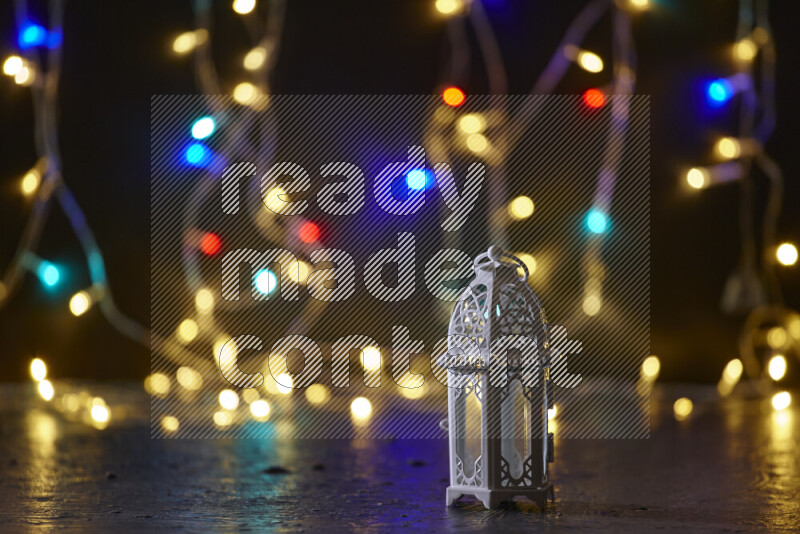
[494, 498]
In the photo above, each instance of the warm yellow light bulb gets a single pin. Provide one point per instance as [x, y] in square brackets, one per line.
[25, 76]
[228, 399]
[273, 200]
[188, 41]
[80, 303]
[12, 65]
[255, 58]
[243, 7]
[552, 413]
[786, 254]
[639, 4]
[223, 419]
[697, 178]
[260, 409]
[298, 272]
[776, 337]
[30, 182]
[46, 390]
[777, 367]
[38, 369]
[371, 358]
[189, 378]
[157, 384]
[651, 366]
[187, 330]
[471, 123]
[477, 143]
[729, 148]
[284, 383]
[782, 400]
[317, 394]
[449, 7]
[410, 387]
[170, 423]
[361, 408]
[683, 408]
[520, 208]
[245, 93]
[733, 371]
[745, 50]
[100, 413]
[589, 61]
[204, 301]
[592, 305]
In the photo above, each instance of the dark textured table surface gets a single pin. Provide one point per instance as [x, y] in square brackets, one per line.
[733, 466]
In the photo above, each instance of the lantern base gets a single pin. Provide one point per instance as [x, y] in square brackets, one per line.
[492, 498]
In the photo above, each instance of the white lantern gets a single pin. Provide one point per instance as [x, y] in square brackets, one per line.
[497, 365]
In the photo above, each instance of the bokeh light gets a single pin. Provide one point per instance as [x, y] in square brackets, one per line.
[777, 367]
[589, 61]
[255, 58]
[683, 408]
[651, 367]
[781, 400]
[594, 98]
[204, 301]
[361, 408]
[46, 390]
[308, 232]
[210, 244]
[228, 399]
[80, 303]
[30, 182]
[371, 358]
[189, 378]
[187, 330]
[472, 123]
[260, 409]
[719, 91]
[265, 281]
[12, 65]
[317, 394]
[520, 208]
[786, 254]
[597, 221]
[697, 178]
[453, 96]
[38, 369]
[203, 127]
[243, 7]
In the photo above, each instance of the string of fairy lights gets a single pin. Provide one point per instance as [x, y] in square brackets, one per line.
[37, 65]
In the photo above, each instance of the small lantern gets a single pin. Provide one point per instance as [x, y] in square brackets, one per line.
[497, 365]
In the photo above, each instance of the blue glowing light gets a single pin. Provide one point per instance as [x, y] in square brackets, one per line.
[197, 154]
[419, 179]
[202, 128]
[31, 35]
[265, 281]
[719, 92]
[54, 38]
[597, 221]
[48, 273]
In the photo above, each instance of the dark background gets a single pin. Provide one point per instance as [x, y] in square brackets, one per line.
[118, 54]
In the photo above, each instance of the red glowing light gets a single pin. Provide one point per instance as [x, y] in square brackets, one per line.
[453, 96]
[210, 244]
[309, 232]
[594, 98]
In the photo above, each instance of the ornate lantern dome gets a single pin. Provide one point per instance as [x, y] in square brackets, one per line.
[499, 386]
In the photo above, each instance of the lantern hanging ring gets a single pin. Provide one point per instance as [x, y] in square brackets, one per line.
[495, 257]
